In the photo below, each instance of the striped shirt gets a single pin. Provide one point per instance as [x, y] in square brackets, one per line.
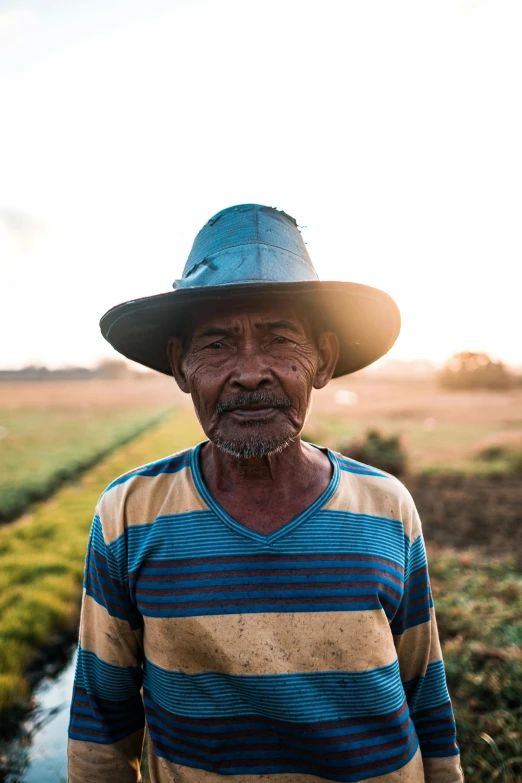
[310, 654]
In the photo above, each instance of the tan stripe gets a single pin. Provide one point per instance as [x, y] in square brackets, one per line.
[416, 648]
[91, 762]
[271, 643]
[163, 771]
[413, 648]
[388, 498]
[416, 526]
[143, 498]
[435, 648]
[112, 639]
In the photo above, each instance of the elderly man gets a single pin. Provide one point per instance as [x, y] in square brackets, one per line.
[260, 604]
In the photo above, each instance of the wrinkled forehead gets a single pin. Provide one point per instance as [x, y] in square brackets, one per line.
[261, 312]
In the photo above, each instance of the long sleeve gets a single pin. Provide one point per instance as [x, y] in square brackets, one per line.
[422, 669]
[107, 717]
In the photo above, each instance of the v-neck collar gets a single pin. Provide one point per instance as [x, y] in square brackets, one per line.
[243, 530]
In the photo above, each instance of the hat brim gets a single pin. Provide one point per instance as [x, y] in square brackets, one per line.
[366, 320]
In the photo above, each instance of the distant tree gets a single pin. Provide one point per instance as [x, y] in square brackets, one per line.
[114, 369]
[469, 370]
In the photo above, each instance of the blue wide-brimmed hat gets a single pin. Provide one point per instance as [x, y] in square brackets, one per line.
[244, 253]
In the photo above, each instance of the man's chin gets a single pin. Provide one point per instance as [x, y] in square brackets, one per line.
[253, 445]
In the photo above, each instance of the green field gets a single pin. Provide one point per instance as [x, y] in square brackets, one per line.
[440, 431]
[42, 555]
[39, 450]
[450, 446]
[478, 598]
[479, 611]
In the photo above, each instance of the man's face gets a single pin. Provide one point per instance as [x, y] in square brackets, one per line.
[250, 373]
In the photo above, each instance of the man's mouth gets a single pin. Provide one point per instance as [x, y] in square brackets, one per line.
[253, 406]
[254, 412]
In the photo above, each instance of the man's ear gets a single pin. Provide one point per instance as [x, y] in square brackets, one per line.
[175, 357]
[328, 349]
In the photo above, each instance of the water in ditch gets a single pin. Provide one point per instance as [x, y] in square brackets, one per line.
[38, 753]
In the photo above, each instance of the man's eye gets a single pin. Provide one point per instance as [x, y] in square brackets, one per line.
[216, 345]
[278, 340]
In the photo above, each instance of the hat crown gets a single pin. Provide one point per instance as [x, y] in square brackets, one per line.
[247, 243]
[252, 251]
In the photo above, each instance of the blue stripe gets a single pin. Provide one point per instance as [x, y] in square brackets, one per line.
[353, 466]
[440, 733]
[253, 593]
[404, 621]
[106, 704]
[341, 532]
[255, 745]
[82, 734]
[105, 680]
[417, 557]
[198, 534]
[107, 591]
[417, 601]
[353, 469]
[430, 691]
[115, 564]
[211, 748]
[275, 593]
[440, 740]
[113, 607]
[417, 581]
[441, 754]
[103, 734]
[296, 753]
[290, 697]
[387, 763]
[97, 720]
[259, 563]
[358, 472]
[257, 725]
[426, 717]
[263, 608]
[315, 580]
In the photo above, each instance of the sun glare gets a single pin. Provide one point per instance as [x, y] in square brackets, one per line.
[388, 130]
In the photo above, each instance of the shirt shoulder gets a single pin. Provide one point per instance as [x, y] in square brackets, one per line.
[167, 465]
[369, 491]
[140, 496]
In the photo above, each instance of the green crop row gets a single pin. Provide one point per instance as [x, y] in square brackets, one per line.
[479, 612]
[40, 451]
[42, 555]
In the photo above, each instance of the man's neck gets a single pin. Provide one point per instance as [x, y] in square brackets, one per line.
[267, 492]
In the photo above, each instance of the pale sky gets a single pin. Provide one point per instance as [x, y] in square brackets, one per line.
[391, 130]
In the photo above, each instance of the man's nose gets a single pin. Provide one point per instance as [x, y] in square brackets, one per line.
[251, 370]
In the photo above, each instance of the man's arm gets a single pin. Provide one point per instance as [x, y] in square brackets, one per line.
[107, 716]
[422, 670]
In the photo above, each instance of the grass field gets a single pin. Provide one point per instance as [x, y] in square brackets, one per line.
[42, 555]
[478, 593]
[50, 432]
[479, 611]
[441, 431]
